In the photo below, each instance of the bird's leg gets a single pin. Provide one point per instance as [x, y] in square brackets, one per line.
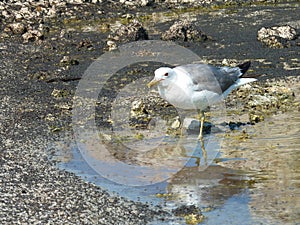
[201, 117]
[200, 137]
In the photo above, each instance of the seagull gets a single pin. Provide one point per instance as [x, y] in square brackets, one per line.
[198, 86]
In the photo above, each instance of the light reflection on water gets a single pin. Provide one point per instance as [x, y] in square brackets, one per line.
[272, 160]
[254, 180]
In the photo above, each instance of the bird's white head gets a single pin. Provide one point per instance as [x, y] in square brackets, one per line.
[163, 76]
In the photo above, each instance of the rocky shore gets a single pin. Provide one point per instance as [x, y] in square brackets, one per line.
[45, 47]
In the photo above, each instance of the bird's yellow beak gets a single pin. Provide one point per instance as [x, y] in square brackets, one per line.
[153, 83]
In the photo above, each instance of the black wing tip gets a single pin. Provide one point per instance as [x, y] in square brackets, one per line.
[244, 66]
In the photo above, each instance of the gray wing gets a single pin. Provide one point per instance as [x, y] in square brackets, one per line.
[207, 77]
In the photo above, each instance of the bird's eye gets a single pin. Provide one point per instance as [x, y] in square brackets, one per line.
[166, 74]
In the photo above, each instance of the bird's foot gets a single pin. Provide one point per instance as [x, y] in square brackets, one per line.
[200, 137]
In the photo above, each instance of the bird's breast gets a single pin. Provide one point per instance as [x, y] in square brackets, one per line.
[185, 97]
[180, 97]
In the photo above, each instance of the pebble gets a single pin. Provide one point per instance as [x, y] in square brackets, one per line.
[112, 45]
[67, 60]
[32, 35]
[15, 28]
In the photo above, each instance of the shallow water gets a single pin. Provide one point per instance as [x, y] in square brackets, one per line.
[252, 181]
[271, 162]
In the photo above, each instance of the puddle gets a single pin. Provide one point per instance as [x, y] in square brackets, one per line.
[272, 163]
[146, 178]
[254, 180]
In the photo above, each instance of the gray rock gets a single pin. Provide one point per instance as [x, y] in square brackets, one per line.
[137, 3]
[144, 110]
[277, 36]
[184, 31]
[67, 60]
[111, 45]
[139, 117]
[275, 42]
[192, 126]
[32, 35]
[132, 32]
[286, 32]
